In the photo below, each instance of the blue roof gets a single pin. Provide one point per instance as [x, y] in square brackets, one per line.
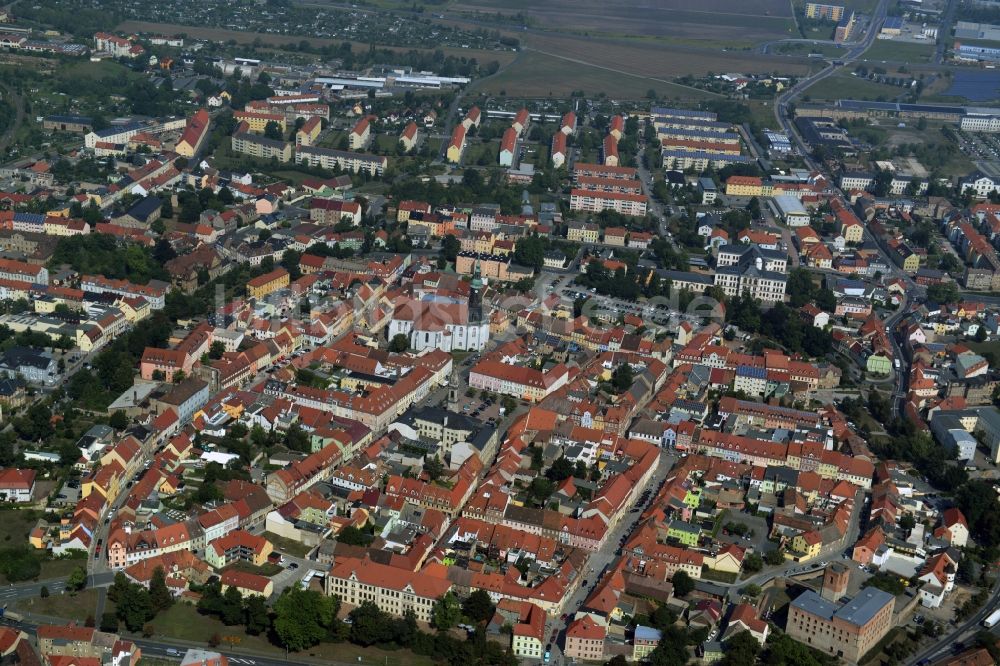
[32, 218]
[145, 208]
[685, 113]
[893, 22]
[858, 611]
[118, 129]
[644, 633]
[751, 371]
[700, 154]
[862, 608]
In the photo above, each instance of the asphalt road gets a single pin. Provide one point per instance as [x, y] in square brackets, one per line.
[944, 645]
[598, 561]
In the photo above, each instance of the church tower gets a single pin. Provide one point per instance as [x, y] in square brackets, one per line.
[476, 297]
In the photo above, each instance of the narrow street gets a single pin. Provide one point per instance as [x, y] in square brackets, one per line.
[598, 561]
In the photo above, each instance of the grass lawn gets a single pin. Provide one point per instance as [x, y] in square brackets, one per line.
[15, 525]
[385, 144]
[182, 621]
[845, 86]
[481, 154]
[334, 139]
[719, 576]
[542, 75]
[798, 48]
[890, 49]
[70, 606]
[59, 567]
[266, 569]
[284, 545]
[982, 347]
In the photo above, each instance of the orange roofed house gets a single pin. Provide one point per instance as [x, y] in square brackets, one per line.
[585, 640]
[393, 590]
[268, 283]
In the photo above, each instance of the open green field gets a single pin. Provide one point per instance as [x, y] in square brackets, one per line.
[690, 19]
[983, 347]
[896, 51]
[845, 86]
[267, 569]
[240, 37]
[804, 49]
[934, 142]
[284, 545]
[183, 622]
[542, 75]
[663, 60]
[69, 606]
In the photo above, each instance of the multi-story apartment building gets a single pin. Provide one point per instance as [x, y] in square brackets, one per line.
[393, 590]
[257, 122]
[593, 201]
[268, 283]
[342, 160]
[155, 291]
[20, 271]
[361, 134]
[261, 147]
[515, 380]
[819, 11]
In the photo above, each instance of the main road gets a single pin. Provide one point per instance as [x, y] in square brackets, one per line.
[785, 99]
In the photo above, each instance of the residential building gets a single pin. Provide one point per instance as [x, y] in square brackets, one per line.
[261, 147]
[194, 135]
[17, 485]
[585, 640]
[620, 202]
[393, 590]
[268, 283]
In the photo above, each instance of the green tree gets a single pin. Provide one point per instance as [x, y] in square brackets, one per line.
[561, 469]
[134, 607]
[159, 595]
[433, 467]
[273, 131]
[369, 625]
[255, 615]
[109, 622]
[216, 349]
[77, 579]
[302, 617]
[447, 612]
[740, 650]
[683, 584]
[353, 536]
[231, 610]
[753, 563]
[774, 557]
[450, 247]
[478, 607]
[399, 343]
[622, 377]
[118, 420]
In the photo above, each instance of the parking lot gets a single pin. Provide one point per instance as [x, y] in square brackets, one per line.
[984, 149]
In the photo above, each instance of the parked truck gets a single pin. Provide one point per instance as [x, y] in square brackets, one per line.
[992, 619]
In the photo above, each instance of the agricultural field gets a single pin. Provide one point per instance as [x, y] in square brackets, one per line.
[221, 35]
[680, 19]
[663, 61]
[845, 86]
[897, 51]
[543, 75]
